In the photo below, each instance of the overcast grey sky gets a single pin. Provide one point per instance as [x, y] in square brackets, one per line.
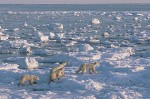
[70, 1]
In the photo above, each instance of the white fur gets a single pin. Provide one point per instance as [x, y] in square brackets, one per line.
[90, 67]
[30, 78]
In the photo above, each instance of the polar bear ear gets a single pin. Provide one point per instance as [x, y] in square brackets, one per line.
[37, 78]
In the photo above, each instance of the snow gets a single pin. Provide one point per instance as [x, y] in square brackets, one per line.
[95, 21]
[106, 34]
[25, 24]
[68, 36]
[51, 35]
[42, 37]
[27, 63]
[59, 26]
[5, 47]
[1, 29]
[56, 26]
[3, 36]
[118, 18]
[85, 47]
[16, 29]
[24, 49]
[122, 53]
[137, 69]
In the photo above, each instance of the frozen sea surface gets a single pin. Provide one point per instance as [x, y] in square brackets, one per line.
[41, 36]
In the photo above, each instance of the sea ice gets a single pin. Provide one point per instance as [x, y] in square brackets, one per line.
[3, 36]
[85, 47]
[106, 34]
[122, 53]
[95, 21]
[24, 49]
[27, 63]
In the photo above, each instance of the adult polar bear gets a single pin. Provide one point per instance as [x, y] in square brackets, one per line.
[57, 72]
[30, 78]
[91, 67]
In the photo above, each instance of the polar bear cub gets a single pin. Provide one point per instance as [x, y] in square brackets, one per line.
[91, 67]
[30, 78]
[57, 72]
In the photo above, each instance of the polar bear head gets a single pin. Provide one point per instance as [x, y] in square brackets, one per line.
[34, 78]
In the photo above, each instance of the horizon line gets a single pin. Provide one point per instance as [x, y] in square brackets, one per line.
[70, 3]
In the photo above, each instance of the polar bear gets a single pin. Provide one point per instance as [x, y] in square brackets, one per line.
[90, 67]
[30, 78]
[58, 67]
[57, 72]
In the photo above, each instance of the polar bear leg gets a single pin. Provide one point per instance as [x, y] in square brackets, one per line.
[94, 70]
[83, 69]
[21, 82]
[90, 71]
[80, 69]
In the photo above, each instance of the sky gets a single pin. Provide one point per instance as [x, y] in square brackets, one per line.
[70, 1]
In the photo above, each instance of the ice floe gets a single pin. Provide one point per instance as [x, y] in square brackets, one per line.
[27, 63]
[24, 49]
[120, 43]
[95, 21]
[3, 36]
